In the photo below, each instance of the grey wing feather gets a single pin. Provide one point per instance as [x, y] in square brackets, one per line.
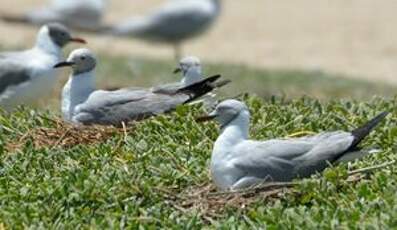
[42, 16]
[286, 159]
[11, 74]
[78, 14]
[170, 23]
[270, 158]
[329, 147]
[171, 88]
[125, 106]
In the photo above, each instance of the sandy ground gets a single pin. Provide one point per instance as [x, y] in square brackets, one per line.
[357, 38]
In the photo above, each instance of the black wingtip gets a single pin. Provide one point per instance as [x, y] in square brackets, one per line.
[209, 82]
[363, 131]
[200, 88]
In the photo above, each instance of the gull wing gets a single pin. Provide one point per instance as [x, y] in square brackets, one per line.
[12, 74]
[273, 159]
[283, 160]
[170, 88]
[174, 21]
[112, 108]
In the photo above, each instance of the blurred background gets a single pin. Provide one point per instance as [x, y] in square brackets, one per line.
[353, 42]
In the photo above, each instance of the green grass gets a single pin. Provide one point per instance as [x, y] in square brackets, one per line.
[144, 177]
[141, 178]
[122, 71]
[264, 83]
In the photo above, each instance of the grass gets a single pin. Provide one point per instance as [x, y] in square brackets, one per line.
[133, 71]
[122, 71]
[264, 83]
[156, 173]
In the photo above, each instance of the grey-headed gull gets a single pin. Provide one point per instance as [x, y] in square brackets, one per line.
[26, 76]
[238, 162]
[191, 70]
[173, 23]
[82, 104]
[78, 14]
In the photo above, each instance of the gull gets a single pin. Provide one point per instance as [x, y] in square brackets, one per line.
[82, 104]
[79, 14]
[190, 67]
[28, 75]
[175, 22]
[191, 70]
[238, 162]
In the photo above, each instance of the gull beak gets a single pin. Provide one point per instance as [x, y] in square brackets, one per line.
[78, 40]
[63, 64]
[177, 70]
[208, 117]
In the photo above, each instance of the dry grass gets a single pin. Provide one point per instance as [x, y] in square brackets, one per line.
[211, 203]
[65, 135]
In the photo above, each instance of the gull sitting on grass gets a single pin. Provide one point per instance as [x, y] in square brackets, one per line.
[191, 70]
[82, 104]
[238, 162]
[26, 76]
[79, 14]
[173, 23]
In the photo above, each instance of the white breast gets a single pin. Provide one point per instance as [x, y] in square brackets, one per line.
[75, 92]
[223, 171]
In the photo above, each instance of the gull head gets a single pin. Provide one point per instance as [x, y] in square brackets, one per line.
[189, 66]
[227, 111]
[80, 60]
[58, 34]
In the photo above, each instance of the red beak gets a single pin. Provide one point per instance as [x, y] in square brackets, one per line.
[78, 40]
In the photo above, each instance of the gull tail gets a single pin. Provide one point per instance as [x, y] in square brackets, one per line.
[363, 131]
[353, 152]
[200, 88]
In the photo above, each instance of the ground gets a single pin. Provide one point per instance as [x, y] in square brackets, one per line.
[355, 38]
[154, 174]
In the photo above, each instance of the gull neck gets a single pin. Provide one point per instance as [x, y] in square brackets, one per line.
[192, 76]
[81, 86]
[236, 130]
[45, 43]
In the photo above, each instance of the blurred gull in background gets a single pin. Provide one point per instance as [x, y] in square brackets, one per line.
[238, 162]
[78, 14]
[82, 104]
[191, 70]
[173, 23]
[28, 75]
